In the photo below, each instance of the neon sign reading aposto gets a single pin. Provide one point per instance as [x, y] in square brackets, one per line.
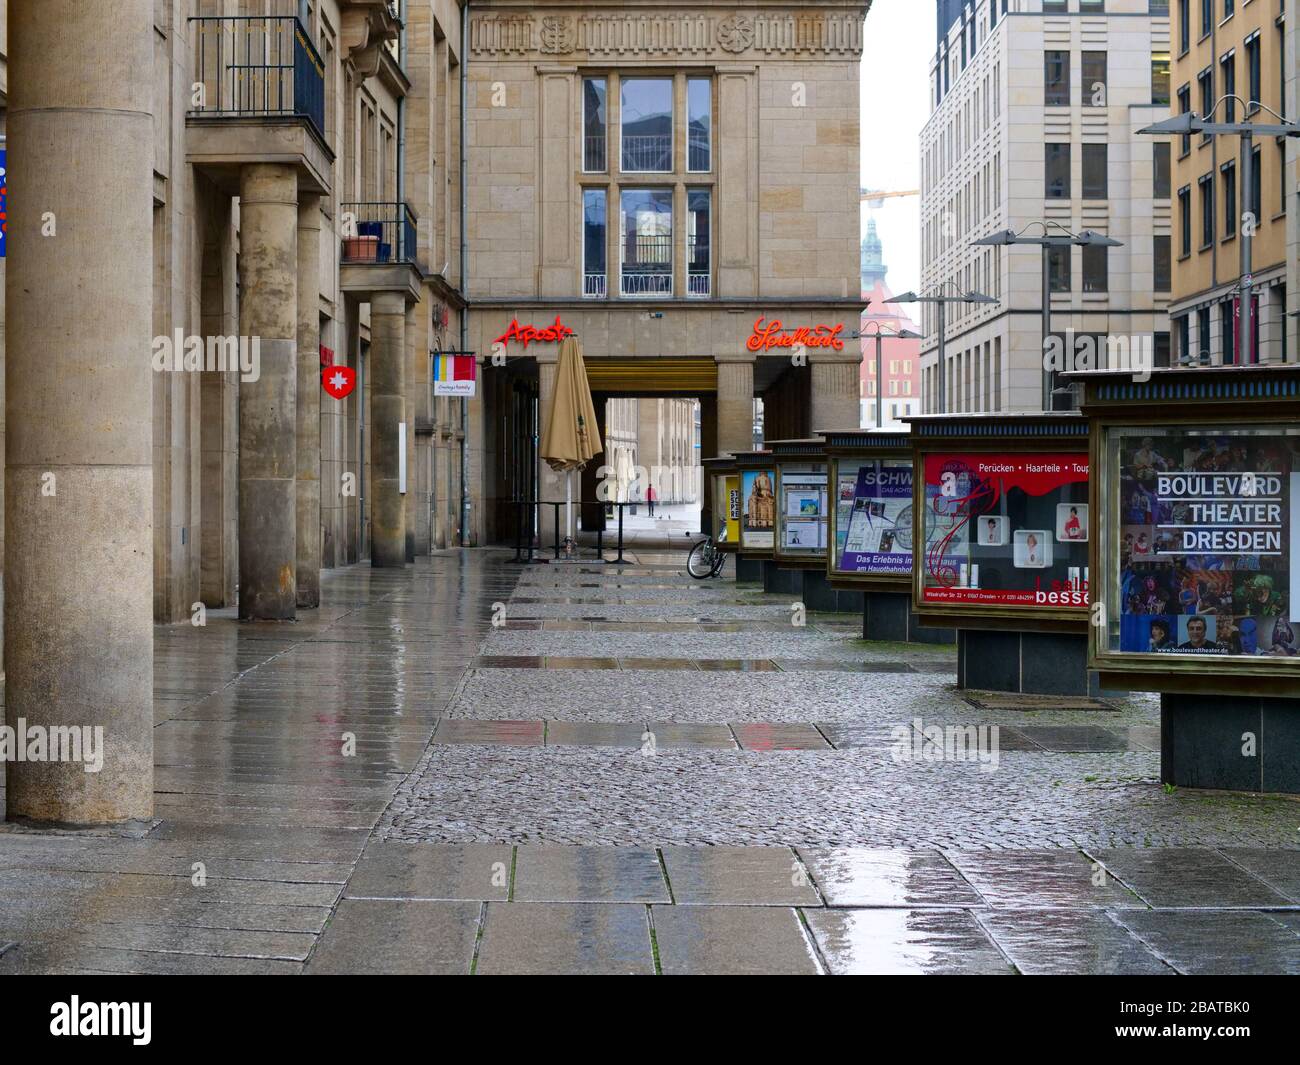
[527, 334]
[769, 336]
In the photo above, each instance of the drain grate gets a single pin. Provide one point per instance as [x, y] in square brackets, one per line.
[1017, 701]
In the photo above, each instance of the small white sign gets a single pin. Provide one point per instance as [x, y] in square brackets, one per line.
[401, 458]
[454, 388]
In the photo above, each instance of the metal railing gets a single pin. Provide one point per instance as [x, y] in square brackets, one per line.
[653, 153]
[256, 66]
[594, 285]
[648, 269]
[593, 154]
[378, 233]
[698, 152]
[698, 282]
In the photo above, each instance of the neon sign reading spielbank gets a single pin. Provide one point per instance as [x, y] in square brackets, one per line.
[770, 335]
[528, 334]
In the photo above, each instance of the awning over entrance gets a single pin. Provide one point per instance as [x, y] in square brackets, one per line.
[688, 376]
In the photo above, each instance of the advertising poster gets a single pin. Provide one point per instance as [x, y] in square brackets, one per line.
[873, 521]
[804, 513]
[1006, 530]
[758, 514]
[1208, 524]
[731, 521]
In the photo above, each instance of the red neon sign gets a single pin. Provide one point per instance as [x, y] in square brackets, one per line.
[529, 333]
[767, 337]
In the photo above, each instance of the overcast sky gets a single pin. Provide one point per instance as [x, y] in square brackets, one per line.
[899, 44]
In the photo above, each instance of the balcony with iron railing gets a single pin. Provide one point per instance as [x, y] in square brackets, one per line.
[648, 267]
[652, 153]
[378, 251]
[258, 92]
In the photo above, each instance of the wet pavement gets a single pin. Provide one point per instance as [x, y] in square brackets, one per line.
[475, 767]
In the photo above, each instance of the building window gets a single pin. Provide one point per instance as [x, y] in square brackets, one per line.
[594, 153]
[1185, 219]
[1160, 79]
[646, 121]
[1183, 333]
[1163, 266]
[698, 261]
[1203, 336]
[646, 242]
[1161, 349]
[1057, 172]
[1058, 269]
[1094, 171]
[1206, 184]
[1160, 187]
[1206, 81]
[699, 125]
[1229, 171]
[1056, 79]
[1093, 71]
[1096, 268]
[1184, 26]
[1207, 17]
[594, 273]
[1184, 106]
[1228, 6]
[1256, 185]
[1228, 81]
[1253, 73]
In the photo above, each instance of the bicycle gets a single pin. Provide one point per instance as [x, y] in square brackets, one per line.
[705, 560]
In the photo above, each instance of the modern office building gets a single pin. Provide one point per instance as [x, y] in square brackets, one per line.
[1036, 107]
[1229, 57]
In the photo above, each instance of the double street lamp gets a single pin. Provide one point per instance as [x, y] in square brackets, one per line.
[1186, 124]
[1054, 235]
[940, 298]
[880, 334]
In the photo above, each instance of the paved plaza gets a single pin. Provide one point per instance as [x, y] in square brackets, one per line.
[475, 767]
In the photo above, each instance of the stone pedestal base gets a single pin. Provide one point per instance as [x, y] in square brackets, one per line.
[1030, 663]
[750, 570]
[889, 616]
[1240, 743]
[812, 589]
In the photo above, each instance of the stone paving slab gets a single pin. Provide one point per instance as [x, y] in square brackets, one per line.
[1179, 877]
[1041, 879]
[511, 733]
[684, 736]
[863, 876]
[1217, 943]
[733, 941]
[588, 874]
[565, 939]
[1079, 942]
[594, 734]
[433, 872]
[738, 876]
[409, 937]
[1280, 869]
[762, 736]
[932, 942]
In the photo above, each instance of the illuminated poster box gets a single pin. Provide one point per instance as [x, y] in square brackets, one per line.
[756, 525]
[871, 509]
[802, 503]
[1198, 490]
[1003, 521]
[723, 481]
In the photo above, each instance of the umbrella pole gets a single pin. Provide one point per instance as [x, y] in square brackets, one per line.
[568, 499]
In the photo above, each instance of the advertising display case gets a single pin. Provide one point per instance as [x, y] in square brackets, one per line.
[802, 503]
[722, 481]
[871, 528]
[1001, 532]
[1197, 489]
[757, 477]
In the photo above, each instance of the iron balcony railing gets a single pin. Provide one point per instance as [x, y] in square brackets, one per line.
[593, 154]
[593, 285]
[648, 154]
[648, 266]
[378, 233]
[256, 66]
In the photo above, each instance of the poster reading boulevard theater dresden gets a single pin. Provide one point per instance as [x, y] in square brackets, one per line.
[1006, 530]
[1207, 527]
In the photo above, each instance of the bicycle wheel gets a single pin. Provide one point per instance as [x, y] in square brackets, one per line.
[699, 563]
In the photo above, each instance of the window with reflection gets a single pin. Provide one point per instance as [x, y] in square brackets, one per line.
[646, 121]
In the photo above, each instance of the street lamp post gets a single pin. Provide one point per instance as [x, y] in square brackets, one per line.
[941, 301]
[880, 335]
[1187, 124]
[1048, 241]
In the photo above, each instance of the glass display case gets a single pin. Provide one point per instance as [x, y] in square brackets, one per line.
[870, 534]
[756, 477]
[802, 502]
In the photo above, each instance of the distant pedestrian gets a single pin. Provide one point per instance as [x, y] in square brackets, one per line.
[650, 499]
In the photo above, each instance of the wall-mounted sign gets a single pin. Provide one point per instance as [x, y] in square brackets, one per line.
[454, 375]
[326, 356]
[338, 381]
[1006, 530]
[4, 199]
[528, 334]
[768, 335]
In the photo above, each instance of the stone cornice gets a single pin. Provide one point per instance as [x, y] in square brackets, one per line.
[700, 32]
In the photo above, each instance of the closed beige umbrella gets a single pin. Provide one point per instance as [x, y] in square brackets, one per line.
[570, 438]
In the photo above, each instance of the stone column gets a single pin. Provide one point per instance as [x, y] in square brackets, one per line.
[268, 229]
[307, 415]
[387, 410]
[735, 407]
[835, 396]
[78, 566]
[416, 338]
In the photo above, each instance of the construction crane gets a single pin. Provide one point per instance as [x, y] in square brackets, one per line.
[874, 198]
